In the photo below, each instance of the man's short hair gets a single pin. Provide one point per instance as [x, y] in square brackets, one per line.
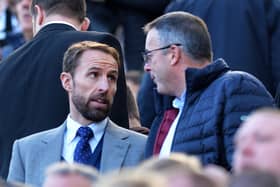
[174, 163]
[186, 29]
[63, 169]
[132, 178]
[72, 55]
[70, 8]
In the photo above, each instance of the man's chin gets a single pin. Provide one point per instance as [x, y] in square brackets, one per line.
[160, 90]
[97, 116]
[249, 168]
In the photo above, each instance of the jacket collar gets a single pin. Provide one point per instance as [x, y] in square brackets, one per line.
[197, 79]
[115, 147]
[53, 28]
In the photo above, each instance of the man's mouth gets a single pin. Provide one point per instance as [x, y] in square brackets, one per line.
[99, 103]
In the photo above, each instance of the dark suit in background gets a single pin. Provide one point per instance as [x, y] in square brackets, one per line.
[32, 98]
[246, 33]
[107, 16]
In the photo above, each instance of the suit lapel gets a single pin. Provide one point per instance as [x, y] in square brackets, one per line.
[115, 147]
[51, 147]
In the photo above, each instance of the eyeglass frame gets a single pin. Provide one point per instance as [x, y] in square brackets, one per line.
[145, 54]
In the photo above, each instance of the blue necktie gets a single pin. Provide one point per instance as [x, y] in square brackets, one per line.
[82, 151]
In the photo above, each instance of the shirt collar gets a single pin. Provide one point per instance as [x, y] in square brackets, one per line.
[179, 102]
[61, 22]
[73, 126]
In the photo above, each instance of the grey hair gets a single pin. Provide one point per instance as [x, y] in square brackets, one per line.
[186, 29]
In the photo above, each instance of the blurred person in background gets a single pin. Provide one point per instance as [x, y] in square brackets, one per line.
[257, 143]
[133, 80]
[22, 11]
[133, 114]
[217, 174]
[131, 16]
[132, 178]
[10, 31]
[70, 175]
[254, 179]
[179, 170]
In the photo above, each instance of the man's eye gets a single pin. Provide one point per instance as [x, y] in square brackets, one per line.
[112, 77]
[92, 74]
[263, 138]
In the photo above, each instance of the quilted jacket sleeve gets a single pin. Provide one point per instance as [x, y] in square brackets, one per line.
[244, 94]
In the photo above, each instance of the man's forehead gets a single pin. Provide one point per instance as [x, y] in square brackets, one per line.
[97, 58]
[261, 123]
[152, 38]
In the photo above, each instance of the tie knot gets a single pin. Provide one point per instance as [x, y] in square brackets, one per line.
[85, 132]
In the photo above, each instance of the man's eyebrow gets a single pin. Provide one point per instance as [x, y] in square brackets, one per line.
[115, 72]
[94, 68]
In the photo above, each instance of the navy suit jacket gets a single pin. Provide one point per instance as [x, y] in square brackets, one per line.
[32, 98]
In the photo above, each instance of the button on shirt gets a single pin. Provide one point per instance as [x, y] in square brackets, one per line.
[166, 146]
[71, 140]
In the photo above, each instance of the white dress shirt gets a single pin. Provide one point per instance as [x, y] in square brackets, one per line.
[71, 140]
[167, 143]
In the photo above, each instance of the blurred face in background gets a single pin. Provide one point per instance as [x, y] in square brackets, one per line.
[257, 144]
[70, 180]
[24, 16]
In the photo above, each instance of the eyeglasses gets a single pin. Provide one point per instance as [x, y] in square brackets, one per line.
[147, 53]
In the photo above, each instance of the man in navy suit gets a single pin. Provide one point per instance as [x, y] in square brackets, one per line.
[32, 98]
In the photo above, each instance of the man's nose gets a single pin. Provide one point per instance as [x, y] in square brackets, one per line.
[147, 67]
[103, 84]
[247, 148]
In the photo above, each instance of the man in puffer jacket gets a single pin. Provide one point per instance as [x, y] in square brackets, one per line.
[212, 100]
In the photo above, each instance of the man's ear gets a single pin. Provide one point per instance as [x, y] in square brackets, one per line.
[66, 81]
[175, 54]
[85, 24]
[40, 15]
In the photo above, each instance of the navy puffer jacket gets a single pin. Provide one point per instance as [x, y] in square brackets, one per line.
[216, 101]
